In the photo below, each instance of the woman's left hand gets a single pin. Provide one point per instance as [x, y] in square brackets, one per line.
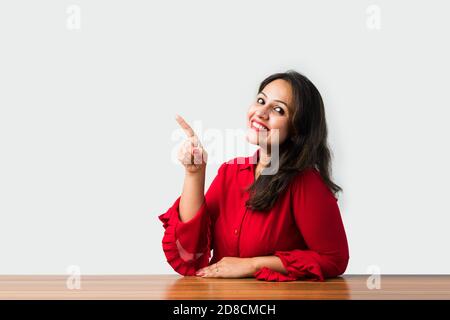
[229, 267]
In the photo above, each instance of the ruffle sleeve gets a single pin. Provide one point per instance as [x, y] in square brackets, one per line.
[299, 264]
[186, 245]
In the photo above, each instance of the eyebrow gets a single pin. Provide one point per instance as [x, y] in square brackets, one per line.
[276, 100]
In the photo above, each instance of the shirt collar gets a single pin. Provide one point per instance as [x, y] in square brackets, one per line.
[249, 162]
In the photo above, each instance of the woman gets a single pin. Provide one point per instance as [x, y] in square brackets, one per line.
[278, 227]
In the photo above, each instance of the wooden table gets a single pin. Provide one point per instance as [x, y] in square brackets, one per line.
[174, 287]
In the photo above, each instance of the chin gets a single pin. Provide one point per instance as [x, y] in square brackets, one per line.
[254, 141]
[251, 140]
[251, 137]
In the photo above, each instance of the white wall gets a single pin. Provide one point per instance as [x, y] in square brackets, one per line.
[87, 117]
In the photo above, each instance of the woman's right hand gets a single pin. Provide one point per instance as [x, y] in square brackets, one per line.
[191, 153]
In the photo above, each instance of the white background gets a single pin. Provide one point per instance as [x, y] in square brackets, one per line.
[87, 121]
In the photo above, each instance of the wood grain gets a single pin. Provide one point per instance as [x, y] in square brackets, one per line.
[157, 287]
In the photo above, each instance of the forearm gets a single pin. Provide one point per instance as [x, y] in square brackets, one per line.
[193, 195]
[271, 262]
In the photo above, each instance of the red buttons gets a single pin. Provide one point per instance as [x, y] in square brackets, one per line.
[235, 232]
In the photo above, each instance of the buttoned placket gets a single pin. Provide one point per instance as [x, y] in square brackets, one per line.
[239, 233]
[248, 169]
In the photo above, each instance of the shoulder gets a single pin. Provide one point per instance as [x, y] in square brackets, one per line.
[310, 175]
[310, 182]
[232, 168]
[236, 164]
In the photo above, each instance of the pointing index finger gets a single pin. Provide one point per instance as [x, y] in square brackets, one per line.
[184, 125]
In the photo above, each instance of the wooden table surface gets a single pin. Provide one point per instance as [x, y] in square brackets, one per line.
[174, 287]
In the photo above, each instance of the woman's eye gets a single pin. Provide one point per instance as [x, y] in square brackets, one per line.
[259, 100]
[279, 110]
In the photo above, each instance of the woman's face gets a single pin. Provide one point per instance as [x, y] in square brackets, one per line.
[270, 112]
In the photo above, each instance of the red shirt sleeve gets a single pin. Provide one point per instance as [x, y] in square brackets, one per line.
[318, 218]
[187, 245]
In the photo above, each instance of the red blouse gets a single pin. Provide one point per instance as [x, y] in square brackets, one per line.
[304, 228]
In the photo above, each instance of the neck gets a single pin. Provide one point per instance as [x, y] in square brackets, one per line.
[264, 157]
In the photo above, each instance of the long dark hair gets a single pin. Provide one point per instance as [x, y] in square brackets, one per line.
[305, 147]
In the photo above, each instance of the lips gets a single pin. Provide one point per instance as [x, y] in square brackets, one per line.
[258, 125]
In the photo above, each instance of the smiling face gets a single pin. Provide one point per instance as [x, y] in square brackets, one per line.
[270, 112]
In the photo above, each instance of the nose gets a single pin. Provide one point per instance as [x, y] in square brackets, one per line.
[262, 112]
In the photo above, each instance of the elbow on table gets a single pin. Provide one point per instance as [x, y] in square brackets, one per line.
[340, 264]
